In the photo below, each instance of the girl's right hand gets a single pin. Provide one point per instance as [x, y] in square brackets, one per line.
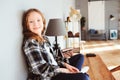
[65, 70]
[71, 68]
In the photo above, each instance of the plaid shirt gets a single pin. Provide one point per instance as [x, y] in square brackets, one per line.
[39, 61]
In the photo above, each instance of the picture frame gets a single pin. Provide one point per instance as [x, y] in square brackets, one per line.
[113, 34]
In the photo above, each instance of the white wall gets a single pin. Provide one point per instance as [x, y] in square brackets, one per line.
[12, 66]
[112, 8]
[96, 12]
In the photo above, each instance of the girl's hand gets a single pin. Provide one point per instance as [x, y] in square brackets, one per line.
[63, 70]
[72, 69]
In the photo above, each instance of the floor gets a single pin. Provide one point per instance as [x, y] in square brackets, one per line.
[109, 51]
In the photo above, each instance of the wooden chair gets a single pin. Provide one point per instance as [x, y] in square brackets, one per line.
[115, 69]
[97, 68]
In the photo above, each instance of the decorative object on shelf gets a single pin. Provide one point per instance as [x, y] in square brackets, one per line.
[68, 19]
[70, 34]
[75, 14]
[113, 34]
[55, 28]
[77, 34]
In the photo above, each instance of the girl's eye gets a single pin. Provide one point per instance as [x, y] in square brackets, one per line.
[38, 20]
[31, 21]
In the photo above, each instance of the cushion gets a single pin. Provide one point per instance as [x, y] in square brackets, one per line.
[101, 31]
[92, 31]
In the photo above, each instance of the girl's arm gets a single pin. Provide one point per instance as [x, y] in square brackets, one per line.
[35, 58]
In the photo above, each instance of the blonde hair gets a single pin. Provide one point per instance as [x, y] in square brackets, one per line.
[26, 32]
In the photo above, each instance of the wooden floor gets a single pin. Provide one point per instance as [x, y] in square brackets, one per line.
[109, 51]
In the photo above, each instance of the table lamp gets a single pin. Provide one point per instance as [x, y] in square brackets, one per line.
[56, 27]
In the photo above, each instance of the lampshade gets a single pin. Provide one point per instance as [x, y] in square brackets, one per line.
[56, 27]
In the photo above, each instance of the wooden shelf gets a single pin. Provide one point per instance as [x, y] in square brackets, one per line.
[73, 34]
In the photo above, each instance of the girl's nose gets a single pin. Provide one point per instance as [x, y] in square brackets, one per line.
[35, 23]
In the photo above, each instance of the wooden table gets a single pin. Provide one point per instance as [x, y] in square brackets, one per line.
[98, 70]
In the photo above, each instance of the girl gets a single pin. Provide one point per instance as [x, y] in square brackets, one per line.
[38, 52]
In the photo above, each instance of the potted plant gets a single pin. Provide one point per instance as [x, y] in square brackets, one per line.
[83, 20]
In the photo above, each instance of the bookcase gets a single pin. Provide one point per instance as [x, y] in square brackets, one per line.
[73, 35]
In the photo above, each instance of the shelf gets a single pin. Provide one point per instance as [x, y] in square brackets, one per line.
[73, 35]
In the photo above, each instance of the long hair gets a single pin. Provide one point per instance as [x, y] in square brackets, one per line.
[26, 32]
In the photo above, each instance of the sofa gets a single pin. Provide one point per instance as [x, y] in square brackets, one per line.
[97, 34]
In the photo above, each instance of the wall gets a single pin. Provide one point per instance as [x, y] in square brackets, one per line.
[96, 13]
[83, 6]
[12, 66]
[112, 8]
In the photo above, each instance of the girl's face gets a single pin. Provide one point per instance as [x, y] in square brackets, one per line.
[35, 23]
